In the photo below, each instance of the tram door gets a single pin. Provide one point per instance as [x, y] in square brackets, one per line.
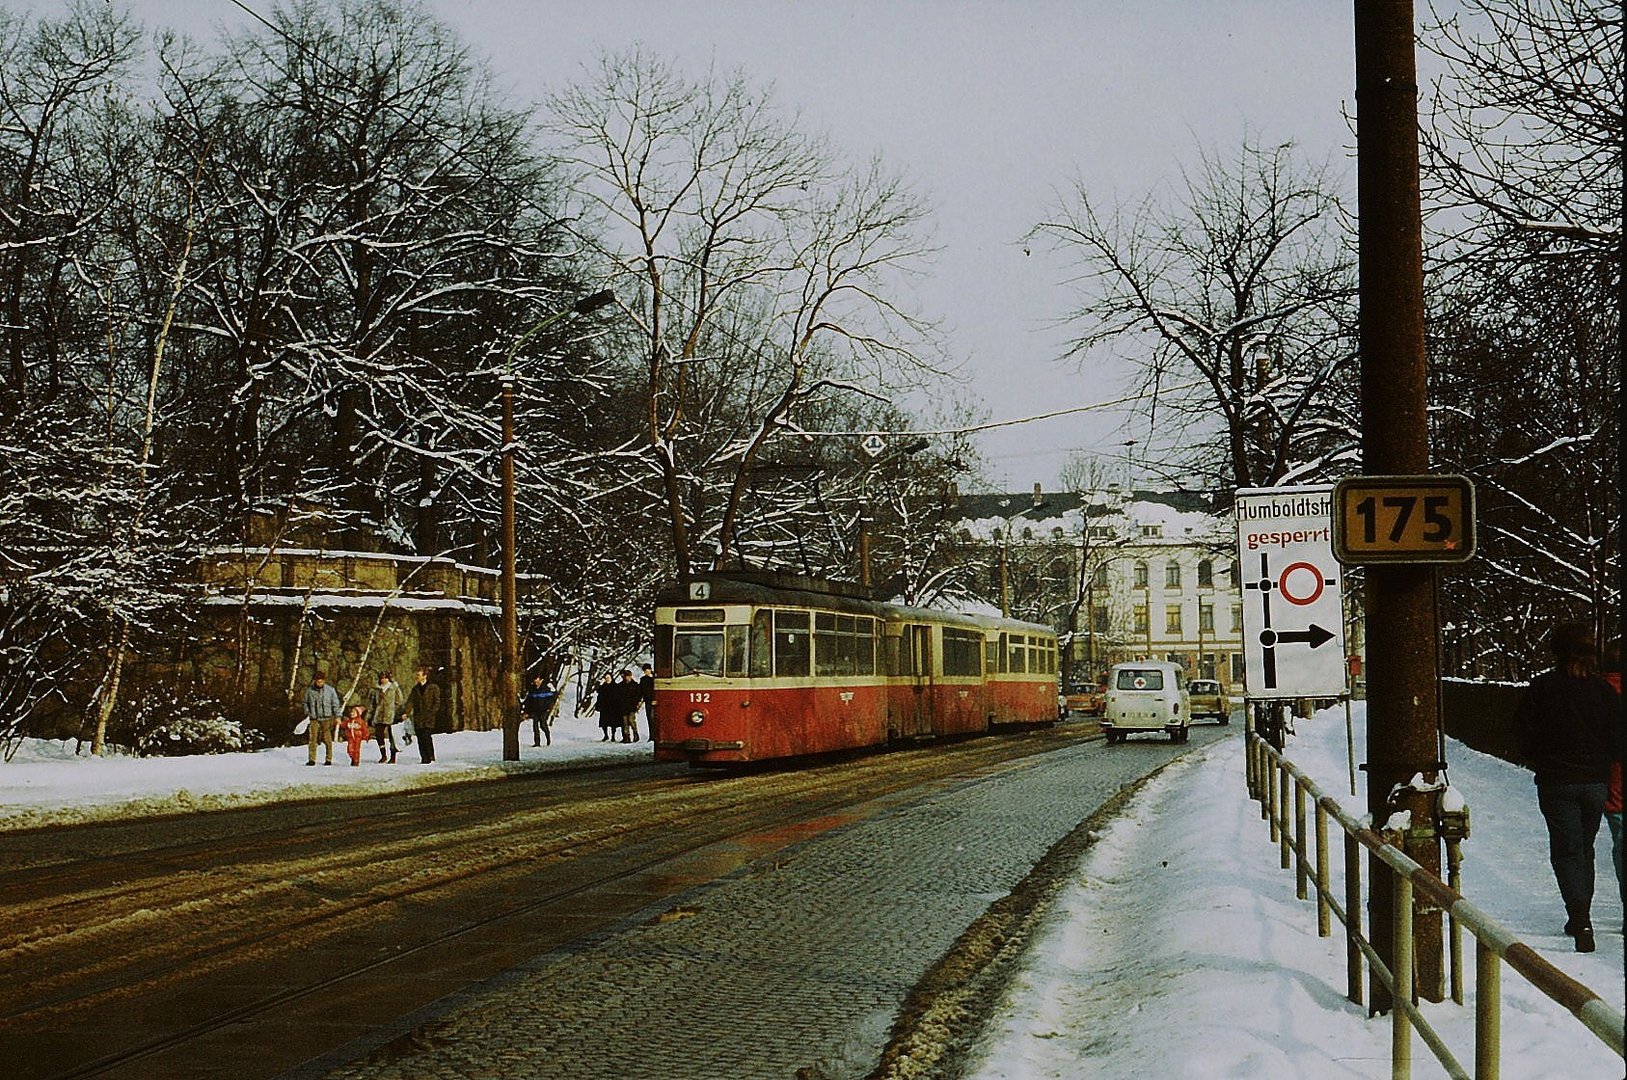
[917, 720]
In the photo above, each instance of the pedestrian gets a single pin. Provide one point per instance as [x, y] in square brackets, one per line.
[321, 716]
[1612, 795]
[538, 704]
[628, 700]
[354, 730]
[604, 703]
[386, 704]
[646, 688]
[425, 708]
[1566, 721]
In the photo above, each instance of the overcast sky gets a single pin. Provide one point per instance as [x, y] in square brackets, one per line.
[989, 108]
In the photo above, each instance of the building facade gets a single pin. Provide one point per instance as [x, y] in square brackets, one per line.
[1122, 575]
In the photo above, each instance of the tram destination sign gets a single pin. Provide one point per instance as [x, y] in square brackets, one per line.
[1403, 519]
[1293, 611]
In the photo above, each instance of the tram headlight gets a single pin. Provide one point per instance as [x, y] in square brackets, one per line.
[696, 718]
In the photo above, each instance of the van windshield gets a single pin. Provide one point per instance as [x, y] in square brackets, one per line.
[1140, 679]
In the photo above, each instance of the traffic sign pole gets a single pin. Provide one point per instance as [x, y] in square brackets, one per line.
[1403, 717]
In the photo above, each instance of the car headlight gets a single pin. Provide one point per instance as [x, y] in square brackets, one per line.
[696, 718]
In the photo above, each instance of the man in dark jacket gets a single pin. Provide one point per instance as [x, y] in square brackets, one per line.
[646, 688]
[1566, 725]
[424, 709]
[538, 705]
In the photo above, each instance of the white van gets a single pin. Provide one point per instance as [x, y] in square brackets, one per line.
[1147, 695]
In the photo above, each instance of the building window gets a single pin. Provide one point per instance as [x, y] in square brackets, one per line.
[1238, 674]
[1172, 575]
[1206, 621]
[1172, 619]
[1141, 619]
[1152, 532]
[1237, 573]
[1206, 574]
[1098, 620]
[1237, 618]
[1101, 576]
[1101, 532]
[1141, 575]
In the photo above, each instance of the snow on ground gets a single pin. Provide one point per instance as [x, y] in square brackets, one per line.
[1179, 950]
[45, 784]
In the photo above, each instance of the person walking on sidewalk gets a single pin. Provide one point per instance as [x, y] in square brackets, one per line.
[1612, 795]
[1566, 721]
[425, 710]
[321, 708]
[604, 703]
[628, 700]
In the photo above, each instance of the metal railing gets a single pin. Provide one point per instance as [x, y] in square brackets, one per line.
[1282, 789]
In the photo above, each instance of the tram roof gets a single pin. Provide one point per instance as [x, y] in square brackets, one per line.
[769, 587]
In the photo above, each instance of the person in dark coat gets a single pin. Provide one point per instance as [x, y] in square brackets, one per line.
[628, 698]
[606, 705]
[1566, 723]
[646, 689]
[425, 708]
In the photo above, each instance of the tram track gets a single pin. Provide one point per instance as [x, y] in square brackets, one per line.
[507, 875]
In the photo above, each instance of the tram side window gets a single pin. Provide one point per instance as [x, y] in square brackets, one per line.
[962, 653]
[1004, 654]
[1017, 664]
[864, 640]
[734, 650]
[991, 656]
[793, 654]
[762, 644]
[827, 644]
[663, 651]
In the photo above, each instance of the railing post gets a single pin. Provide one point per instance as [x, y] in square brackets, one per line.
[1454, 881]
[1271, 798]
[1488, 1000]
[1283, 780]
[1401, 1029]
[1301, 869]
[1353, 909]
[1324, 921]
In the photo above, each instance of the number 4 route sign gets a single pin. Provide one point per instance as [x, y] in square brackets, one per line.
[1293, 611]
[1403, 519]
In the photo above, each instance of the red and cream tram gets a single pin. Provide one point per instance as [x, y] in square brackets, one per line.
[751, 666]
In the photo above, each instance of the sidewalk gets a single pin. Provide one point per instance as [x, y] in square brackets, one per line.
[1180, 951]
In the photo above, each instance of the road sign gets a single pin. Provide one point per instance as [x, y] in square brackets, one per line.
[873, 444]
[1403, 519]
[1293, 609]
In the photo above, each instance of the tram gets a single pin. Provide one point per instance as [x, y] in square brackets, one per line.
[753, 666]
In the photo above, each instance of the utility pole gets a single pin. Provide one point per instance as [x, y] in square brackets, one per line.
[1402, 711]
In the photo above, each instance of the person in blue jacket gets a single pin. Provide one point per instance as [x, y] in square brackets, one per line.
[537, 704]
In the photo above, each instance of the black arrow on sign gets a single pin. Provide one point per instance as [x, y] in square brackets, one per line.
[1315, 636]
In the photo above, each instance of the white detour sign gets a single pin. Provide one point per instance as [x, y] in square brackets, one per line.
[1293, 612]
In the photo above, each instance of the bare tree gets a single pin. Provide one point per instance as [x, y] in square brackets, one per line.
[1232, 302]
[762, 275]
[1524, 131]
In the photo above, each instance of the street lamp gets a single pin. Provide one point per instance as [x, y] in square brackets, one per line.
[511, 620]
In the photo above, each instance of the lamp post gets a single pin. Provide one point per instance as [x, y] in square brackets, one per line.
[511, 618]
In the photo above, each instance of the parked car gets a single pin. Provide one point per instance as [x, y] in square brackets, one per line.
[1083, 699]
[1147, 695]
[1208, 699]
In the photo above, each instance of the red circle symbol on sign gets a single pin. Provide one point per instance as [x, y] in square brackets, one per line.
[1316, 579]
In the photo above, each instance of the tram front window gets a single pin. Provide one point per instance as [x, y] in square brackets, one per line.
[698, 652]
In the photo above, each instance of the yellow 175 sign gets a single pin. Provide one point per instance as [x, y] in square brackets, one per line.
[1403, 519]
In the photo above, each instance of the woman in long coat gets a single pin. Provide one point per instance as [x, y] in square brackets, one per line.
[607, 705]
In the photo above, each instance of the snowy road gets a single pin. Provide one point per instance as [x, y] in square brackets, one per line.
[266, 937]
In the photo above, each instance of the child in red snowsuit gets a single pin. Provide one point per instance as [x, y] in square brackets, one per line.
[354, 729]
